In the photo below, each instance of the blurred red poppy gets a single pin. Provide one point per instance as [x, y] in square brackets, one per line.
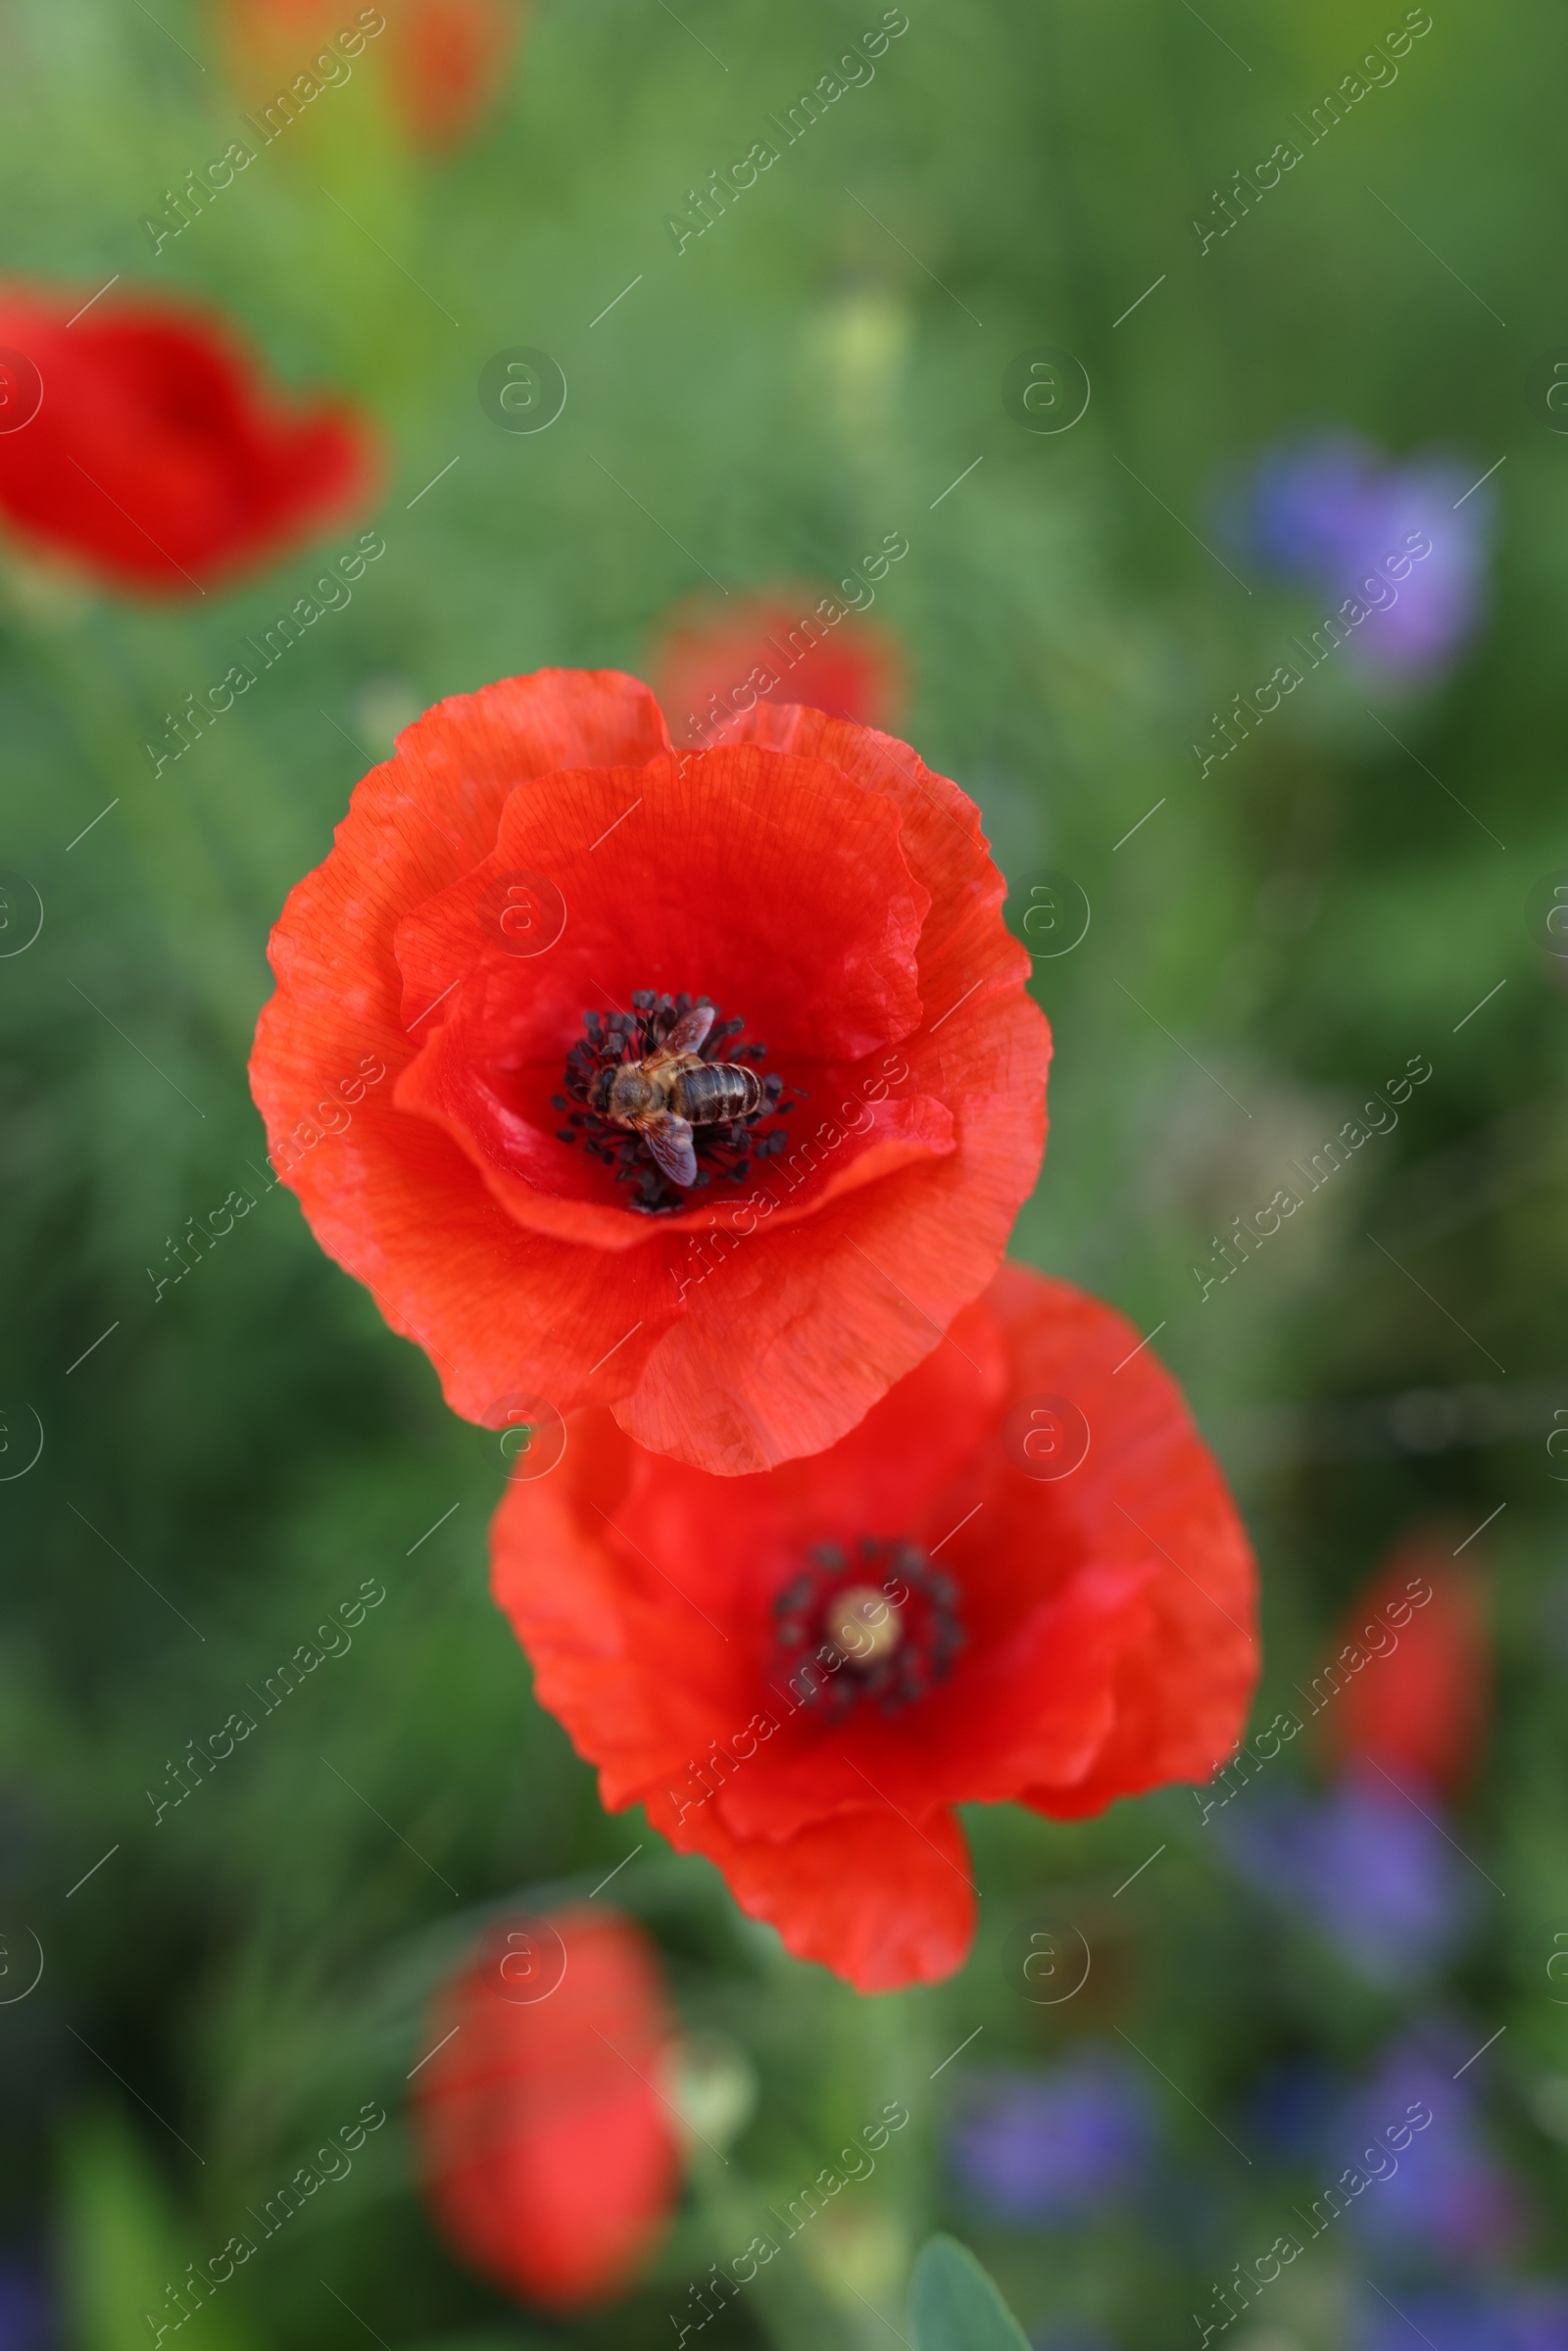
[527, 897]
[547, 2153]
[444, 60]
[1411, 1674]
[715, 662]
[1020, 1577]
[450, 58]
[140, 440]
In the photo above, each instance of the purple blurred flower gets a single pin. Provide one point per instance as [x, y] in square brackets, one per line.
[1333, 509]
[1449, 2200]
[1052, 2146]
[27, 2307]
[1375, 1875]
[1511, 2318]
[1290, 2106]
[1541, 2318]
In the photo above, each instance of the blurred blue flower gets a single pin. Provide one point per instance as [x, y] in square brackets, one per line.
[1290, 2106]
[1449, 2201]
[1333, 511]
[1370, 1869]
[27, 2307]
[1482, 2319]
[1052, 2146]
[1541, 2318]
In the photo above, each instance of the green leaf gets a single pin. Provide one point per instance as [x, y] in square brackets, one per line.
[953, 2306]
[124, 2244]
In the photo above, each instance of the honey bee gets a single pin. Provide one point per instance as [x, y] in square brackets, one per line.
[674, 1090]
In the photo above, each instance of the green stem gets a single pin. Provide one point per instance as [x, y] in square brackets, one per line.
[794, 2312]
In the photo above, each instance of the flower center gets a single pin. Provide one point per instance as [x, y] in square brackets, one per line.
[883, 1627]
[863, 1624]
[616, 1041]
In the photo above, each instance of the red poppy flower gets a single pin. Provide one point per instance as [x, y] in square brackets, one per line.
[716, 661]
[546, 2151]
[141, 441]
[1410, 1672]
[525, 901]
[444, 60]
[1020, 1577]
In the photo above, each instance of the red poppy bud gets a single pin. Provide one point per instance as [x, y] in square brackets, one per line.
[717, 662]
[139, 439]
[1406, 1682]
[547, 2153]
[449, 60]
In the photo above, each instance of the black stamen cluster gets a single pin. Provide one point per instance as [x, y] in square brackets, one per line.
[930, 1631]
[610, 1039]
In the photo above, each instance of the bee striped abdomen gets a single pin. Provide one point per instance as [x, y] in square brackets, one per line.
[658, 1110]
[715, 1093]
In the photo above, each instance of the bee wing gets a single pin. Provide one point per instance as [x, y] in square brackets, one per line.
[690, 1032]
[669, 1139]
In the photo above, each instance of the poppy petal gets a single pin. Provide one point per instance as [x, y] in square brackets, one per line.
[825, 1890]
